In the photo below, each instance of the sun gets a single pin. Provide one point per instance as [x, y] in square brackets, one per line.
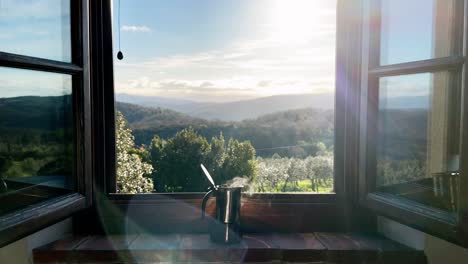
[292, 20]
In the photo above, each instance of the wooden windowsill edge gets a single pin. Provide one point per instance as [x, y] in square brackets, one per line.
[21, 223]
[290, 247]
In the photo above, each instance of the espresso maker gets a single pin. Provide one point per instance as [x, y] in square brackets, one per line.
[225, 229]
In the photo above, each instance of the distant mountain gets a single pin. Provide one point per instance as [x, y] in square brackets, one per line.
[180, 105]
[36, 112]
[146, 117]
[269, 133]
[248, 109]
[238, 110]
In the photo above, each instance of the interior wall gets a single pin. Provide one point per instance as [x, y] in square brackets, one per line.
[437, 250]
[20, 252]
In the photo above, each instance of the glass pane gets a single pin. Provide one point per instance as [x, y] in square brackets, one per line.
[244, 87]
[36, 137]
[418, 133]
[408, 37]
[38, 28]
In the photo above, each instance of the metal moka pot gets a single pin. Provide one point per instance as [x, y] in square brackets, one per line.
[226, 228]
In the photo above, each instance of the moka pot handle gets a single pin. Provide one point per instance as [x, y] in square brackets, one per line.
[205, 199]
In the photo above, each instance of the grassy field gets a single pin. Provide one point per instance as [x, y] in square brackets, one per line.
[301, 186]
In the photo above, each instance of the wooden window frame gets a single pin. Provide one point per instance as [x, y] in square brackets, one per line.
[340, 207]
[425, 218]
[25, 221]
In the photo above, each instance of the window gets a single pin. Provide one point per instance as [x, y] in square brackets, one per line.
[43, 102]
[36, 28]
[244, 87]
[36, 143]
[411, 112]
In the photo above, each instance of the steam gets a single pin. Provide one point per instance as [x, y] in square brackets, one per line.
[240, 182]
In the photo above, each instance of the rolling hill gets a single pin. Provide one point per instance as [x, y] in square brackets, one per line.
[268, 132]
[146, 117]
[36, 112]
[237, 110]
[23, 116]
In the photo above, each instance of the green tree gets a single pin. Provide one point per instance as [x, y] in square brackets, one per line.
[217, 155]
[180, 162]
[239, 162]
[131, 170]
[156, 154]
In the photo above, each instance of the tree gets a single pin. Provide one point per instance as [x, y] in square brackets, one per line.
[156, 153]
[240, 161]
[180, 162]
[217, 155]
[296, 172]
[131, 170]
[272, 174]
[319, 170]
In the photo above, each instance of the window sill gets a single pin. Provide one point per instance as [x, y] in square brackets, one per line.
[181, 213]
[424, 218]
[315, 247]
[18, 224]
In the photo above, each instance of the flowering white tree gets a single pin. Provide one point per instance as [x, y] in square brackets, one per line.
[278, 174]
[271, 172]
[131, 170]
[319, 170]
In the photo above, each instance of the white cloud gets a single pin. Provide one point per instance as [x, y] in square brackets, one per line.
[247, 69]
[274, 61]
[130, 28]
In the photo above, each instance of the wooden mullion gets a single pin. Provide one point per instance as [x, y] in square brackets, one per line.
[431, 65]
[458, 27]
[462, 214]
[102, 96]
[109, 99]
[369, 98]
[38, 64]
[372, 97]
[371, 138]
[374, 34]
[82, 105]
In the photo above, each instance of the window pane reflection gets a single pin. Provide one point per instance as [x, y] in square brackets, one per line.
[36, 137]
[418, 130]
[38, 28]
[406, 37]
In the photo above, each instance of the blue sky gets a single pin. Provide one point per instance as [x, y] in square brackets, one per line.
[39, 28]
[212, 50]
[405, 36]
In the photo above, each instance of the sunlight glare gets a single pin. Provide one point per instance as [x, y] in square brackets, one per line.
[292, 20]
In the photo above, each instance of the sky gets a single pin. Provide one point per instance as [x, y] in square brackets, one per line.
[212, 50]
[38, 28]
[404, 36]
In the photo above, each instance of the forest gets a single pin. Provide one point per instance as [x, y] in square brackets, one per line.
[160, 150]
[173, 164]
[36, 136]
[288, 151]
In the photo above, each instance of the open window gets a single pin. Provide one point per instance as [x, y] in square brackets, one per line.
[241, 87]
[44, 155]
[412, 103]
[247, 88]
